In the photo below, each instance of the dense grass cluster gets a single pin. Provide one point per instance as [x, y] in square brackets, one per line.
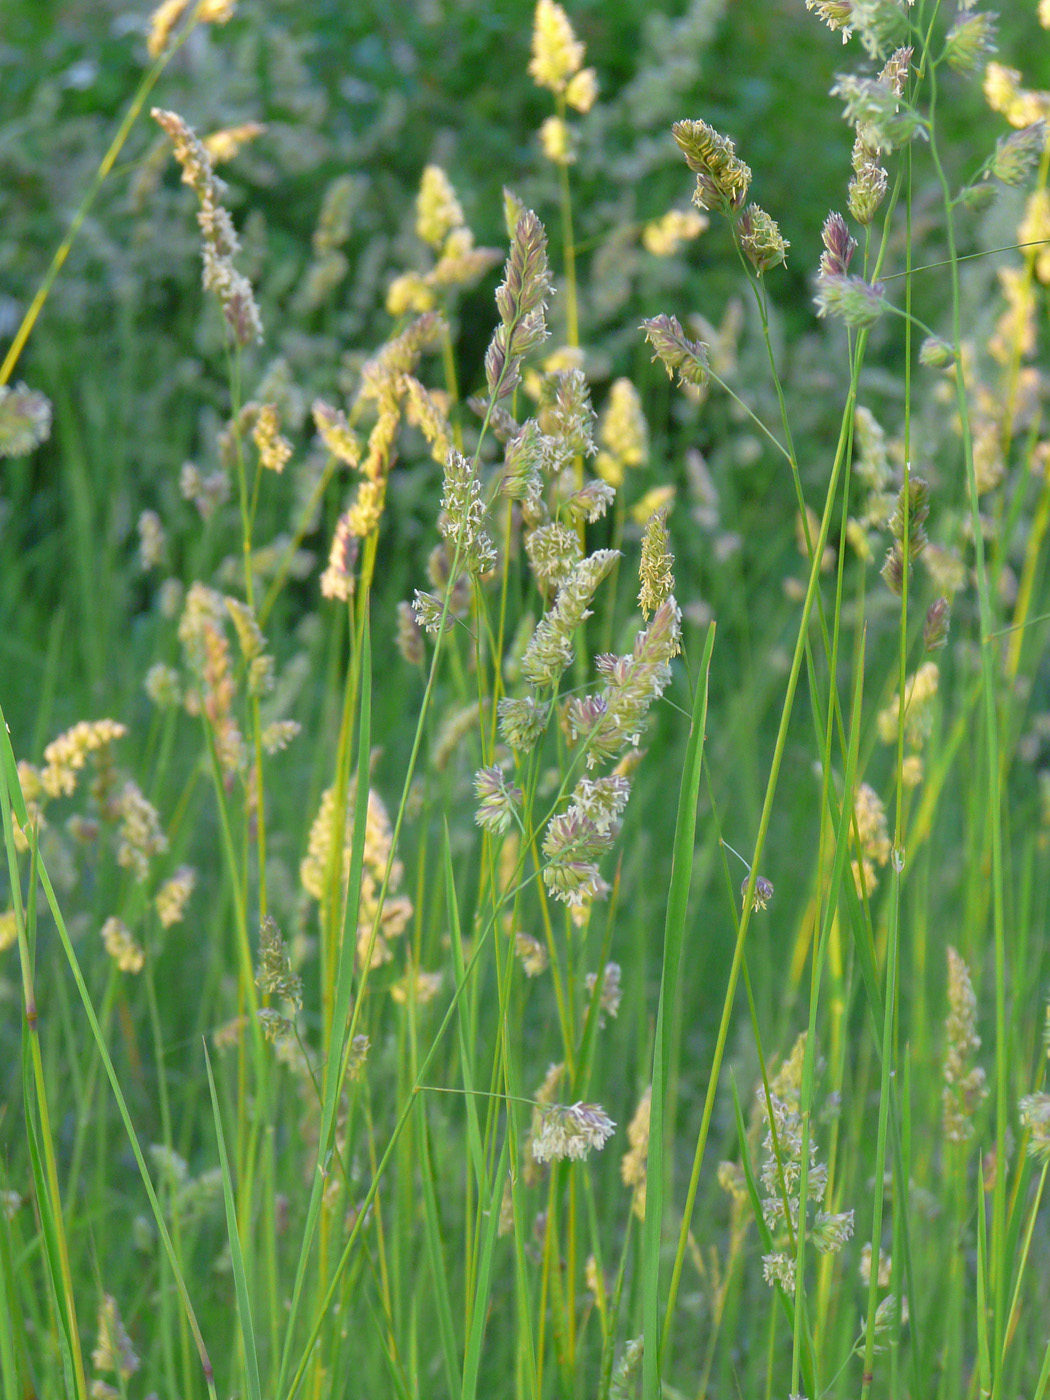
[525, 769]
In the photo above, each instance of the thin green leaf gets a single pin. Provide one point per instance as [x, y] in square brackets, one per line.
[240, 1281]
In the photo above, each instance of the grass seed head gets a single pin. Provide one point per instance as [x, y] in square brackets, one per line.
[722, 178]
[557, 55]
[760, 239]
[571, 1132]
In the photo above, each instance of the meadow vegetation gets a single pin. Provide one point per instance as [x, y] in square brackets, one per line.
[525, 745]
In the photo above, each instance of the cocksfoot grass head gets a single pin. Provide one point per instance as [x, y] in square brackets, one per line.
[722, 178]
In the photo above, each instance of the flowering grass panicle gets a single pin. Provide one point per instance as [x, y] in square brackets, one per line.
[634, 1164]
[163, 686]
[761, 240]
[221, 244]
[121, 946]
[869, 813]
[875, 106]
[438, 210]
[572, 846]
[664, 237]
[656, 570]
[907, 526]
[25, 420]
[591, 502]
[919, 692]
[173, 896]
[836, 14]
[1034, 1112]
[610, 994]
[463, 513]
[114, 1352]
[497, 800]
[338, 578]
[557, 55]
[623, 433]
[885, 1268]
[276, 976]
[610, 722]
[839, 247]
[207, 493]
[378, 921]
[782, 1172]
[526, 460]
[336, 434]
[760, 895]
[167, 15]
[531, 953]
[971, 41]
[141, 837]
[522, 721]
[521, 300]
[964, 1086]
[440, 223]
[722, 178]
[66, 756]
[550, 650]
[676, 352]
[206, 650]
[553, 551]
[409, 635]
[274, 449]
[570, 1132]
[152, 541]
[565, 412]
[850, 299]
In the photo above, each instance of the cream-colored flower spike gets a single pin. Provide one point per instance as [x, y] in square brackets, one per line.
[557, 55]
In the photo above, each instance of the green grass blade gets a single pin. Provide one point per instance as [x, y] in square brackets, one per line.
[9, 770]
[463, 1022]
[472, 1354]
[66, 1337]
[341, 1017]
[674, 941]
[984, 1346]
[240, 1281]
[118, 1094]
[12, 1321]
[436, 1257]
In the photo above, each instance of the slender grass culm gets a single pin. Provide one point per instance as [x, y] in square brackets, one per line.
[397, 634]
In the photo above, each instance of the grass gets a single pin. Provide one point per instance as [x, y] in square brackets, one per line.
[551, 998]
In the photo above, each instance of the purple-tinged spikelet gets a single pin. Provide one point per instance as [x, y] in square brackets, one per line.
[497, 799]
[938, 621]
[839, 247]
[521, 300]
[675, 351]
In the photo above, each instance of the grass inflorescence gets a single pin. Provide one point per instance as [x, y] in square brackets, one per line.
[393, 1016]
